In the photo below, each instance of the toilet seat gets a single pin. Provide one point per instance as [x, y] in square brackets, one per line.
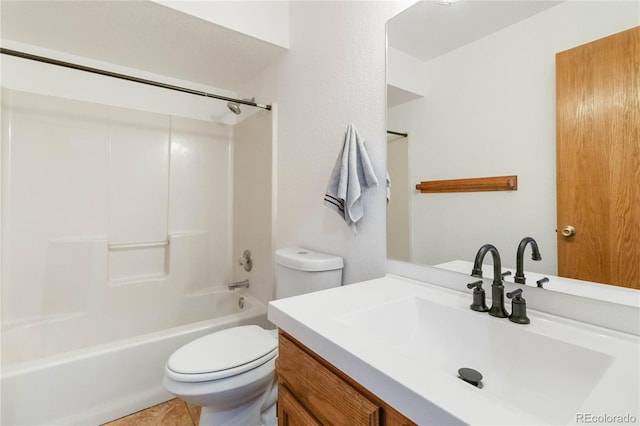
[222, 354]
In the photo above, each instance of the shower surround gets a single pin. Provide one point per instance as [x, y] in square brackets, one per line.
[116, 234]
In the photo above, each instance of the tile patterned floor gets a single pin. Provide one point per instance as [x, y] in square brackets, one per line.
[171, 413]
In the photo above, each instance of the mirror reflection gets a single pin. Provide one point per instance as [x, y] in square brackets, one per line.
[473, 84]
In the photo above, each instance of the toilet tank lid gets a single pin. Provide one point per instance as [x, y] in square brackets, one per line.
[307, 260]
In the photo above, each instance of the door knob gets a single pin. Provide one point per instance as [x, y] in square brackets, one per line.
[568, 231]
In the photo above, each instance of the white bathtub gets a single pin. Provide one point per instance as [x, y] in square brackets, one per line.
[82, 386]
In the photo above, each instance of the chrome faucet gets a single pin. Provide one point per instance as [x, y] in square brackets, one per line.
[239, 284]
[535, 255]
[497, 288]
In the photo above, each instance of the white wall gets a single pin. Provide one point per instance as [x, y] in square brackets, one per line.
[399, 207]
[490, 111]
[266, 20]
[405, 71]
[253, 202]
[333, 75]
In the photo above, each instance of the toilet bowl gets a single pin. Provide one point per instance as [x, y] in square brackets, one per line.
[231, 373]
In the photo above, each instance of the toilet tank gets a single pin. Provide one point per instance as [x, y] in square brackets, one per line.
[300, 271]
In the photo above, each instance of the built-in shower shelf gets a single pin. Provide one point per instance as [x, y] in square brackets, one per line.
[141, 279]
[137, 262]
[494, 183]
[128, 246]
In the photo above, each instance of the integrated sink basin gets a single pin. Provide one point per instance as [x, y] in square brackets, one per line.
[543, 376]
[406, 341]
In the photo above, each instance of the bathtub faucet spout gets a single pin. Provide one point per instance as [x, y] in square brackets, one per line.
[239, 284]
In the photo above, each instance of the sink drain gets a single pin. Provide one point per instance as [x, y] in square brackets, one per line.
[471, 376]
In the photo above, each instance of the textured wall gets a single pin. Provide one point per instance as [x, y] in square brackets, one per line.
[333, 75]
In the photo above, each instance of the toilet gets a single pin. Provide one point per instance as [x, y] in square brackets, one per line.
[231, 373]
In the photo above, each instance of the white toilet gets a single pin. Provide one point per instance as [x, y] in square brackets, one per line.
[231, 373]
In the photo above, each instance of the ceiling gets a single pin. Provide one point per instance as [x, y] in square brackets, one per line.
[140, 34]
[145, 35]
[428, 29]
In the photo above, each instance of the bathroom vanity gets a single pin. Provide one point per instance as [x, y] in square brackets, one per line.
[311, 391]
[389, 351]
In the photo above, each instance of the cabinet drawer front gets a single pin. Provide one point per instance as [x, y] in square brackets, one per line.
[330, 399]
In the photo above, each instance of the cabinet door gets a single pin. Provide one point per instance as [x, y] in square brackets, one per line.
[326, 396]
[291, 412]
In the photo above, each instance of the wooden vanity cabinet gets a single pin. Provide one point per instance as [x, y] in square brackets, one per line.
[311, 391]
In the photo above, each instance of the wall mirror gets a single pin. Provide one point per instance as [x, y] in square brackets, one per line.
[472, 84]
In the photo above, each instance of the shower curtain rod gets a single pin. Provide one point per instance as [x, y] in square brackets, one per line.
[127, 77]
[391, 132]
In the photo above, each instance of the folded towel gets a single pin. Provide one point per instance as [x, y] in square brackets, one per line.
[351, 175]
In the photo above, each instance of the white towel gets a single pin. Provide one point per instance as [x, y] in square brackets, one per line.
[351, 175]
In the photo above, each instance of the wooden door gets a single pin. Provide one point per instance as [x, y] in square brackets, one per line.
[598, 160]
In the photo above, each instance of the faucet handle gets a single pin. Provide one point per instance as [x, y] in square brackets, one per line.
[479, 304]
[505, 274]
[518, 307]
[245, 261]
[476, 284]
[542, 281]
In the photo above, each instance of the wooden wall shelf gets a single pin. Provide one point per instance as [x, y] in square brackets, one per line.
[494, 183]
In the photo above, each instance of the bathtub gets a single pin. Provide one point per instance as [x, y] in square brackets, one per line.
[51, 382]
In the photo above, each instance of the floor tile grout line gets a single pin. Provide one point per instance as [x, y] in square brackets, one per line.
[158, 408]
[186, 406]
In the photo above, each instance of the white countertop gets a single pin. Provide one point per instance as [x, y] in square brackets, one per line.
[420, 390]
